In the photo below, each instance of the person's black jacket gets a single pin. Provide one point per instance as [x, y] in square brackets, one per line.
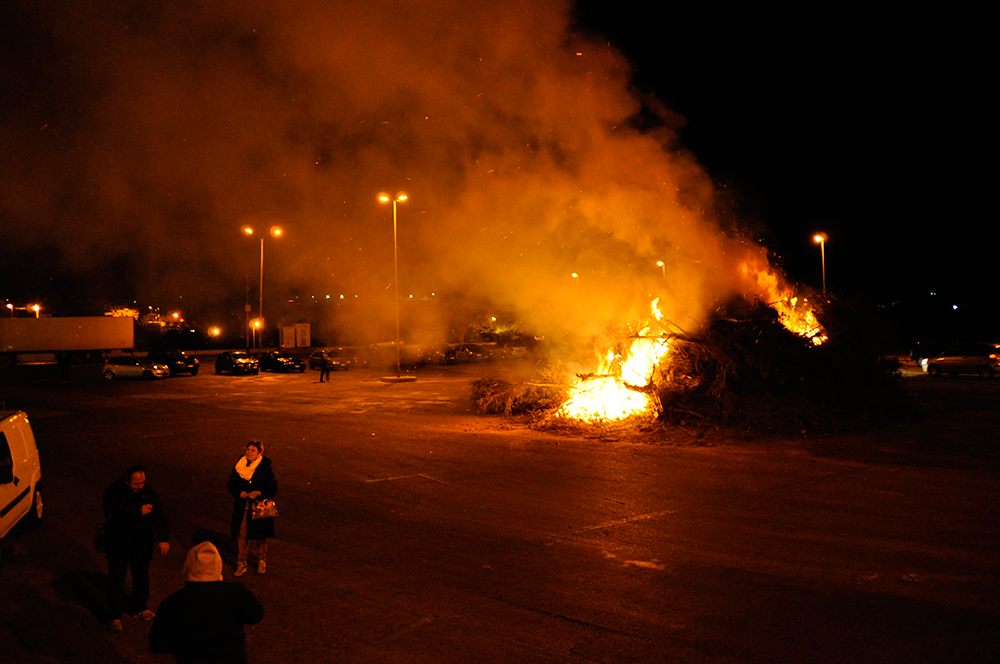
[203, 622]
[263, 480]
[128, 529]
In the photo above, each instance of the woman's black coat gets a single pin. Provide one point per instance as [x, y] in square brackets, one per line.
[263, 480]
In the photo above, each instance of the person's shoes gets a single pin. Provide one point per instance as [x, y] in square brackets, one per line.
[145, 614]
[261, 567]
[115, 626]
[241, 569]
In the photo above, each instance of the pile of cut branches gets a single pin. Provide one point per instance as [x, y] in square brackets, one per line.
[746, 368]
[501, 397]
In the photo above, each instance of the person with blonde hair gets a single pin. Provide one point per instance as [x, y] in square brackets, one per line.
[251, 479]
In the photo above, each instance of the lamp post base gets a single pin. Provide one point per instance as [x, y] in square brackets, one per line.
[398, 379]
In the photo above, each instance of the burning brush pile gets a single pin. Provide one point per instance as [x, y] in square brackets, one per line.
[755, 365]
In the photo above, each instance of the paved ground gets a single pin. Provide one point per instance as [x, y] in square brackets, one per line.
[413, 530]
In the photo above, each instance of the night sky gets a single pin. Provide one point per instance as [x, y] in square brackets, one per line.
[536, 140]
[874, 122]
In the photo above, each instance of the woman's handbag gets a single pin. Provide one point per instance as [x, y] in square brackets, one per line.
[263, 509]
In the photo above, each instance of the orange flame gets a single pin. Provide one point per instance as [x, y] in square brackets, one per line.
[621, 390]
[618, 393]
[795, 313]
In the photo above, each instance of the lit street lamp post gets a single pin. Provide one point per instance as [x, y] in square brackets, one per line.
[385, 198]
[37, 308]
[820, 239]
[663, 268]
[275, 231]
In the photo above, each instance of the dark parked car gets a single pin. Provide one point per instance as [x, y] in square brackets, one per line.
[338, 361]
[276, 360]
[969, 358]
[236, 362]
[176, 360]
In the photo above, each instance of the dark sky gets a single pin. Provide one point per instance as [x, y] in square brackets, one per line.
[537, 140]
[874, 122]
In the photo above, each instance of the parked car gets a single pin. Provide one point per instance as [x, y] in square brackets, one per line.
[276, 360]
[176, 360]
[964, 358]
[456, 354]
[20, 472]
[338, 360]
[129, 366]
[236, 362]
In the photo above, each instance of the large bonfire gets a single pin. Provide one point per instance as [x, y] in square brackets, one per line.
[761, 360]
[624, 384]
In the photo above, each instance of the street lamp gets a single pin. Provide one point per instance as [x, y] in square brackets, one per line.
[663, 268]
[275, 231]
[255, 325]
[36, 308]
[385, 198]
[820, 239]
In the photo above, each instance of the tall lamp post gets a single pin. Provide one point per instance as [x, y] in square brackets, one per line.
[385, 198]
[820, 239]
[275, 231]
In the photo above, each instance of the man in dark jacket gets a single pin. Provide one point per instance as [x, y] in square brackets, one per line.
[203, 621]
[135, 523]
[324, 367]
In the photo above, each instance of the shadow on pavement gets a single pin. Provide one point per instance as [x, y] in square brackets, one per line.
[87, 589]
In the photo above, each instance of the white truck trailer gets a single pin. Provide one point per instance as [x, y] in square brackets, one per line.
[77, 339]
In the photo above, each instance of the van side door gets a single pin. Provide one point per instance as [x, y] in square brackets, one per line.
[14, 494]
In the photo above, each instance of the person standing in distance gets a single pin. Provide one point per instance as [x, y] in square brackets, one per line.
[252, 478]
[324, 367]
[135, 523]
[203, 621]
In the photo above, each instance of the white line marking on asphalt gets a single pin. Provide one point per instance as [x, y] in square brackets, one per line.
[621, 522]
[388, 479]
[406, 477]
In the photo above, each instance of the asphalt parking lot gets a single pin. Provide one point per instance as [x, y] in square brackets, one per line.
[414, 530]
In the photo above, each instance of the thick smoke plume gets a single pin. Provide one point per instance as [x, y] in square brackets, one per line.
[142, 135]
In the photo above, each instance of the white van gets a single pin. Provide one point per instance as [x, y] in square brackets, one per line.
[20, 472]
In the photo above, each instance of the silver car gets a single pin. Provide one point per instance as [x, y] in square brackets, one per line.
[971, 358]
[134, 367]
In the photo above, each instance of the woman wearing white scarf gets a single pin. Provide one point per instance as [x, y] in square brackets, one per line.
[251, 478]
